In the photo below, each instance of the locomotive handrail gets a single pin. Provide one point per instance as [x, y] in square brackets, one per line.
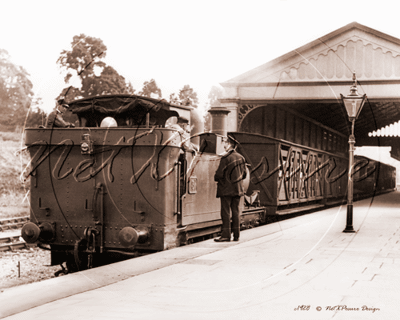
[99, 190]
[178, 198]
[100, 185]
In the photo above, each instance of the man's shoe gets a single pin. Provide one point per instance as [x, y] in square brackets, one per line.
[222, 240]
[235, 239]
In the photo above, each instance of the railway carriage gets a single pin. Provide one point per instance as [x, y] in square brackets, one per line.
[289, 177]
[372, 177]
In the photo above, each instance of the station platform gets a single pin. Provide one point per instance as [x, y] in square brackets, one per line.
[302, 268]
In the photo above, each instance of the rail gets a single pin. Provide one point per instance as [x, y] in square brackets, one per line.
[15, 246]
[12, 242]
[9, 239]
[13, 223]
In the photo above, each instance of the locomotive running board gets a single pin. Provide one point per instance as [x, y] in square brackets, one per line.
[203, 232]
[299, 209]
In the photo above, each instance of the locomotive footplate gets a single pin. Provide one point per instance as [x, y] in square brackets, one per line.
[250, 217]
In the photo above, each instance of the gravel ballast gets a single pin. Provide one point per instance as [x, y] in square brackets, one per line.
[33, 266]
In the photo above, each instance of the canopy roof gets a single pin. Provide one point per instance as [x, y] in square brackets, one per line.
[116, 104]
[311, 78]
[123, 106]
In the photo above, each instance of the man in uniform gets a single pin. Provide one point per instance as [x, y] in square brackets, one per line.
[230, 175]
[55, 118]
[182, 127]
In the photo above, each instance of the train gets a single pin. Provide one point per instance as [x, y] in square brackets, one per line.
[99, 192]
[290, 178]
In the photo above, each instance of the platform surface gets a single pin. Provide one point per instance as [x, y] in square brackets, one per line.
[303, 268]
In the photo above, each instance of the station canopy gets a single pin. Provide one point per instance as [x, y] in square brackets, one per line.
[310, 79]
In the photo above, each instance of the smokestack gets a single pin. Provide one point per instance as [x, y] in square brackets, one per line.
[219, 120]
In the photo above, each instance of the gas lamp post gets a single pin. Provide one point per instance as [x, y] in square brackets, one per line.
[353, 103]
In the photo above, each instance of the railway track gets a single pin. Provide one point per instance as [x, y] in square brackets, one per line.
[15, 246]
[13, 223]
[12, 242]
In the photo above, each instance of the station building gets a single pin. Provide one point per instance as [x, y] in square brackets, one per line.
[296, 97]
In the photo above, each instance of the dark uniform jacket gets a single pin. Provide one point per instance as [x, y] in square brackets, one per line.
[55, 119]
[230, 175]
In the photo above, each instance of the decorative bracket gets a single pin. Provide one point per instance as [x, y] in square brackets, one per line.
[243, 110]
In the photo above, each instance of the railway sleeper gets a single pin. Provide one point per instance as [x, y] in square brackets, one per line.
[15, 246]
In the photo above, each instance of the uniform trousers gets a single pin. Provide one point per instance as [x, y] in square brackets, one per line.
[229, 204]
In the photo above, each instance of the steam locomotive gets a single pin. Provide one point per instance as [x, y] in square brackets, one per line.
[99, 192]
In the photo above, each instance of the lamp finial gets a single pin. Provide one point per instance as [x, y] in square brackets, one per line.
[354, 78]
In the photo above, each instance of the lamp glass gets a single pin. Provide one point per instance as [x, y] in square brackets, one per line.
[353, 105]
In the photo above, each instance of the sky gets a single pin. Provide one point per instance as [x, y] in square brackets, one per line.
[176, 42]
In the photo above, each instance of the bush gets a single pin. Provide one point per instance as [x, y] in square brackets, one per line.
[12, 189]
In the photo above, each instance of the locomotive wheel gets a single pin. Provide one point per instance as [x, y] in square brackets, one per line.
[70, 263]
[182, 238]
[73, 266]
[62, 271]
[77, 260]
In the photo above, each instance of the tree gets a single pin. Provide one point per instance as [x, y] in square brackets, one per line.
[15, 91]
[149, 88]
[85, 60]
[36, 116]
[173, 98]
[187, 96]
